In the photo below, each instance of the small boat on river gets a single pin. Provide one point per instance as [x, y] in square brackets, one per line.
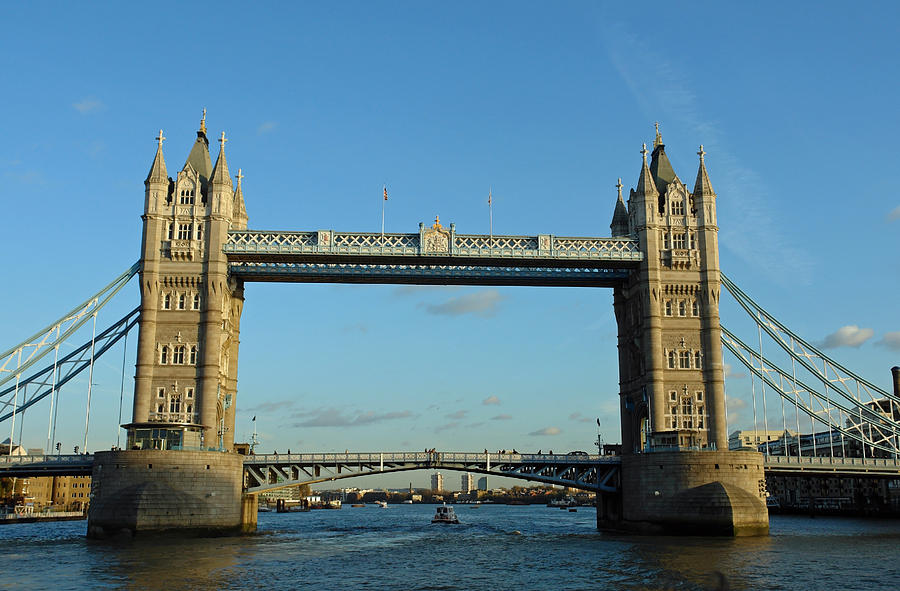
[444, 514]
[382, 504]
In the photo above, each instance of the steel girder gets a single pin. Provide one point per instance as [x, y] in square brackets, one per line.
[587, 472]
[37, 466]
[871, 467]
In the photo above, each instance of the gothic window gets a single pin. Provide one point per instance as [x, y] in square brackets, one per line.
[182, 300]
[175, 404]
[178, 355]
[687, 413]
[677, 207]
[682, 308]
[161, 392]
[159, 408]
[185, 231]
[700, 399]
[171, 230]
[698, 360]
[672, 359]
[167, 301]
[187, 197]
[668, 307]
[189, 393]
[673, 396]
[190, 408]
[695, 308]
[199, 231]
[692, 243]
[164, 355]
[678, 241]
[195, 305]
[192, 355]
[684, 360]
[665, 240]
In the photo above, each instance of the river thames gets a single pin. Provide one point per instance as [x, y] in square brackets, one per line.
[495, 547]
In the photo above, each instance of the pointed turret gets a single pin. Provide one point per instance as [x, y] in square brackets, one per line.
[619, 225]
[199, 159]
[220, 174]
[702, 186]
[240, 210]
[662, 170]
[158, 172]
[645, 185]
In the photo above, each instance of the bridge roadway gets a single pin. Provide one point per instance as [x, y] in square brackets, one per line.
[587, 472]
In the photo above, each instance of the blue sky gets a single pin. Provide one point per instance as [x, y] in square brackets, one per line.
[546, 104]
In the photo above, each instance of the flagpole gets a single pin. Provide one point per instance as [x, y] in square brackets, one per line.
[491, 213]
[382, 212]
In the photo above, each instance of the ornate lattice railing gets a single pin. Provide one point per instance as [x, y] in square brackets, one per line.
[434, 241]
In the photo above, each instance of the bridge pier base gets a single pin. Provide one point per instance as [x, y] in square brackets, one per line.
[145, 491]
[689, 493]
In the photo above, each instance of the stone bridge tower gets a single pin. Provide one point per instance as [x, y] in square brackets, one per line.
[677, 475]
[670, 354]
[186, 371]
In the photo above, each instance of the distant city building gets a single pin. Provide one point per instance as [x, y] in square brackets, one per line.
[437, 481]
[755, 437]
[483, 483]
[468, 483]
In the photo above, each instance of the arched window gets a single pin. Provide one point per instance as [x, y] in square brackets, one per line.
[685, 360]
[171, 231]
[199, 231]
[698, 360]
[190, 408]
[182, 300]
[682, 308]
[677, 206]
[668, 307]
[167, 301]
[175, 403]
[178, 355]
[687, 413]
[695, 308]
[195, 305]
[159, 408]
[673, 359]
[192, 355]
[164, 355]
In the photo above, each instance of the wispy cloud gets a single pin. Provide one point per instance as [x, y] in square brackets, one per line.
[460, 414]
[266, 127]
[758, 239]
[481, 303]
[730, 372]
[894, 215]
[447, 426]
[332, 417]
[490, 400]
[353, 328]
[501, 417]
[577, 416]
[847, 336]
[271, 406]
[890, 340]
[546, 431]
[88, 105]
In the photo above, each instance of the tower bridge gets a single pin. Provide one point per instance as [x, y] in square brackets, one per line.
[661, 260]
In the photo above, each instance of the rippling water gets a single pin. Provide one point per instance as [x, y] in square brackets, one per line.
[494, 548]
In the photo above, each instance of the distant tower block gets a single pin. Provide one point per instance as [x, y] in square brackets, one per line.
[437, 482]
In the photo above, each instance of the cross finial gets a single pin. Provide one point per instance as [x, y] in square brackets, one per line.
[701, 153]
[619, 187]
[437, 223]
[644, 151]
[239, 176]
[203, 121]
[222, 140]
[160, 138]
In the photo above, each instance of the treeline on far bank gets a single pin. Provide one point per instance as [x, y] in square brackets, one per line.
[517, 495]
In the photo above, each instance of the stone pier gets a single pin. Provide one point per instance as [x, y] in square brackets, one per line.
[145, 491]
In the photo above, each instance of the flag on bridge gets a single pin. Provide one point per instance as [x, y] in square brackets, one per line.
[254, 417]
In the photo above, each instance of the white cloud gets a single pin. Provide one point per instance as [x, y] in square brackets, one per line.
[577, 416]
[266, 127]
[88, 105]
[481, 303]
[501, 417]
[331, 417]
[894, 215]
[890, 340]
[731, 373]
[546, 431]
[490, 400]
[847, 336]
[460, 414]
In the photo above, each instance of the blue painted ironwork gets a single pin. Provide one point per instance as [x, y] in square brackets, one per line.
[46, 465]
[586, 472]
[41, 384]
